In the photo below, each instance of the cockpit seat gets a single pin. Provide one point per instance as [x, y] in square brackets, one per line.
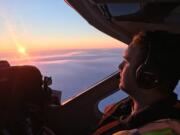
[20, 88]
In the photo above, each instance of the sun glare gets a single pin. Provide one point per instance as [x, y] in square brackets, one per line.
[22, 50]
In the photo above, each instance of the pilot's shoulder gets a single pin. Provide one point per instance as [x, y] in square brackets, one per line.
[165, 126]
[159, 127]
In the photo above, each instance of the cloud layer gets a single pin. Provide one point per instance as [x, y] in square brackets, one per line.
[73, 71]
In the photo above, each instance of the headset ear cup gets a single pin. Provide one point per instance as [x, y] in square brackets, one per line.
[145, 79]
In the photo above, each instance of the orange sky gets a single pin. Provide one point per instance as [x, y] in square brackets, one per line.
[22, 29]
[12, 42]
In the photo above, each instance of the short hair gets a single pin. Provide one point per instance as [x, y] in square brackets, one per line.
[163, 50]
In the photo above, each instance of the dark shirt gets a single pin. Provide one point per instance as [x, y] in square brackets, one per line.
[119, 116]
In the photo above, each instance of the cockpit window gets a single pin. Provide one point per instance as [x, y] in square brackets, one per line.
[115, 8]
[48, 34]
[120, 9]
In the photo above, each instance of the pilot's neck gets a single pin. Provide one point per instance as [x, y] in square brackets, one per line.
[142, 102]
[137, 107]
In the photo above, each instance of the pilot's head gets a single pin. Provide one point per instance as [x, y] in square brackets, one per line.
[151, 62]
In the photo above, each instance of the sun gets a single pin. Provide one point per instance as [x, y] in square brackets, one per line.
[22, 50]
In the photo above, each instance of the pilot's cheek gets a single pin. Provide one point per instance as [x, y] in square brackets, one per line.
[126, 81]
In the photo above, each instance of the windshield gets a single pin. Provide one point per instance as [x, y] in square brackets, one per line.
[51, 36]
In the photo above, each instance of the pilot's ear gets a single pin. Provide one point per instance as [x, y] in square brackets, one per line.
[146, 79]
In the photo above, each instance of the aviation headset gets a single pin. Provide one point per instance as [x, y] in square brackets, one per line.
[146, 76]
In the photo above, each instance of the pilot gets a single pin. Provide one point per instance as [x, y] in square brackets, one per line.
[149, 74]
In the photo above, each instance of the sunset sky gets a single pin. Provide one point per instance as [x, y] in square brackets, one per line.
[27, 25]
[51, 35]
